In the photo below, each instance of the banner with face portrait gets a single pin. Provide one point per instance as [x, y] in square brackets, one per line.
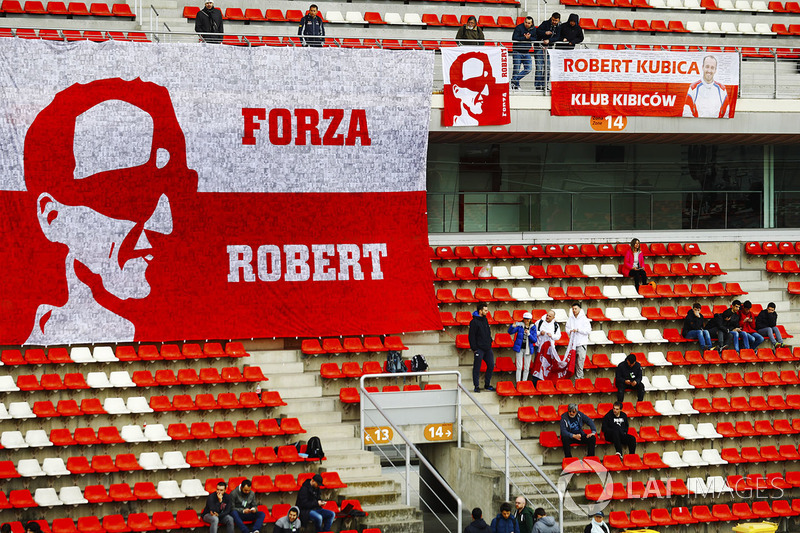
[191, 191]
[644, 83]
[475, 86]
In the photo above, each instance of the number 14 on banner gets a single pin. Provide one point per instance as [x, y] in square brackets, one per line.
[608, 123]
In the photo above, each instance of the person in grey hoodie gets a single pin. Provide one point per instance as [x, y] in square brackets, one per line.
[477, 525]
[289, 523]
[245, 508]
[544, 523]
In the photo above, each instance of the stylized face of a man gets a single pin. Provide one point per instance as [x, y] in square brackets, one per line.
[709, 69]
[105, 184]
[474, 86]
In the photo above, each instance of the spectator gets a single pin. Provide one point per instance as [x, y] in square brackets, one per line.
[548, 332]
[289, 523]
[218, 509]
[503, 522]
[477, 525]
[544, 523]
[693, 327]
[767, 325]
[245, 508]
[524, 515]
[523, 36]
[480, 342]
[633, 264]
[310, 504]
[571, 33]
[524, 344]
[629, 377]
[747, 321]
[471, 32]
[312, 24]
[725, 327]
[597, 525]
[208, 23]
[572, 423]
[548, 32]
[578, 328]
[33, 527]
[615, 429]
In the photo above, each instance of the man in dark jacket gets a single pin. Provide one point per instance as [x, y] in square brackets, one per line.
[470, 34]
[767, 325]
[504, 522]
[629, 377]
[480, 342]
[615, 429]
[310, 504]
[218, 509]
[523, 514]
[725, 327]
[572, 423]
[477, 525]
[245, 508]
[549, 33]
[311, 24]
[208, 23]
[523, 37]
[693, 327]
[544, 523]
[571, 33]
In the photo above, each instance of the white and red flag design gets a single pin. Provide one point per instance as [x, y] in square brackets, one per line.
[167, 192]
[475, 86]
[644, 83]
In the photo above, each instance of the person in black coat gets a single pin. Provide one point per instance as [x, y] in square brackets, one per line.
[767, 325]
[548, 33]
[208, 23]
[219, 506]
[725, 328]
[615, 429]
[597, 525]
[312, 24]
[478, 525]
[480, 342]
[693, 327]
[629, 377]
[310, 504]
[571, 33]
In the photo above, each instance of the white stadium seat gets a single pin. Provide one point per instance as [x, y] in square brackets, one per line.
[661, 382]
[193, 488]
[37, 438]
[654, 335]
[519, 272]
[711, 26]
[121, 379]
[46, 497]
[393, 18]
[7, 384]
[632, 313]
[726, 5]
[13, 440]
[591, 271]
[729, 28]
[115, 406]
[617, 357]
[742, 5]
[29, 468]
[413, 18]
[614, 314]
[692, 458]
[98, 380]
[764, 29]
[713, 457]
[4, 414]
[540, 294]
[334, 17]
[611, 292]
[717, 485]
[20, 410]
[658, 359]
[630, 292]
[501, 272]
[665, 408]
[695, 27]
[648, 387]
[635, 336]
[168, 489]
[151, 461]
[679, 381]
[610, 271]
[138, 404]
[697, 485]
[174, 460]
[684, 407]
[708, 430]
[104, 354]
[72, 496]
[54, 466]
[156, 433]
[674, 460]
[561, 315]
[132, 433]
[746, 28]
[354, 17]
[599, 337]
[692, 4]
[760, 5]
[688, 432]
[520, 294]
[658, 4]
[81, 354]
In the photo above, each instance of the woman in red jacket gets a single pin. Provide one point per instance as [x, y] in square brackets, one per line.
[633, 265]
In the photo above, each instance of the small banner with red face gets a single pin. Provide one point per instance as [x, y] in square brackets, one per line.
[644, 83]
[475, 86]
[150, 197]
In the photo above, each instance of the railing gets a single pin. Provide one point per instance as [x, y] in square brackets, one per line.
[154, 24]
[593, 211]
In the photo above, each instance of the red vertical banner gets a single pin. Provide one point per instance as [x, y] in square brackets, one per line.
[475, 86]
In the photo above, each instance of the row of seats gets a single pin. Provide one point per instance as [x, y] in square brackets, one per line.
[762, 509]
[105, 354]
[772, 248]
[589, 292]
[745, 51]
[86, 436]
[73, 9]
[763, 6]
[558, 251]
[692, 26]
[637, 490]
[557, 271]
[140, 378]
[348, 395]
[128, 462]
[352, 369]
[75, 35]
[138, 404]
[352, 345]
[787, 267]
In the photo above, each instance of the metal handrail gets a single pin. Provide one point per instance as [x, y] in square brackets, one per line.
[410, 445]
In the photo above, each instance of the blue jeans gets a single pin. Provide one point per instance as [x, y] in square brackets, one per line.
[522, 67]
[256, 518]
[735, 336]
[702, 336]
[774, 334]
[542, 68]
[322, 518]
[753, 339]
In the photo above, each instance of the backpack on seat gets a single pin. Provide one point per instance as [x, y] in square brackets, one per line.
[418, 363]
[394, 362]
[314, 448]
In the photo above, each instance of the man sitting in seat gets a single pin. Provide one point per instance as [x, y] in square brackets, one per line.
[615, 429]
[725, 328]
[572, 423]
[245, 508]
[693, 327]
[629, 377]
[767, 325]
[289, 523]
[310, 504]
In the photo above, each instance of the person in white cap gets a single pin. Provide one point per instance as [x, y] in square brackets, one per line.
[524, 344]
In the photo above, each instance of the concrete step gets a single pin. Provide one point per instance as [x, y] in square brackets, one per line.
[273, 356]
[341, 444]
[391, 513]
[331, 430]
[299, 406]
[291, 393]
[272, 369]
[296, 381]
[346, 471]
[351, 457]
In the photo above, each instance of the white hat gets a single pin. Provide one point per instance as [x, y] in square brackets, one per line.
[527, 315]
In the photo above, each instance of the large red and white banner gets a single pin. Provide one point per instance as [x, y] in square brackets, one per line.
[475, 86]
[644, 83]
[167, 192]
